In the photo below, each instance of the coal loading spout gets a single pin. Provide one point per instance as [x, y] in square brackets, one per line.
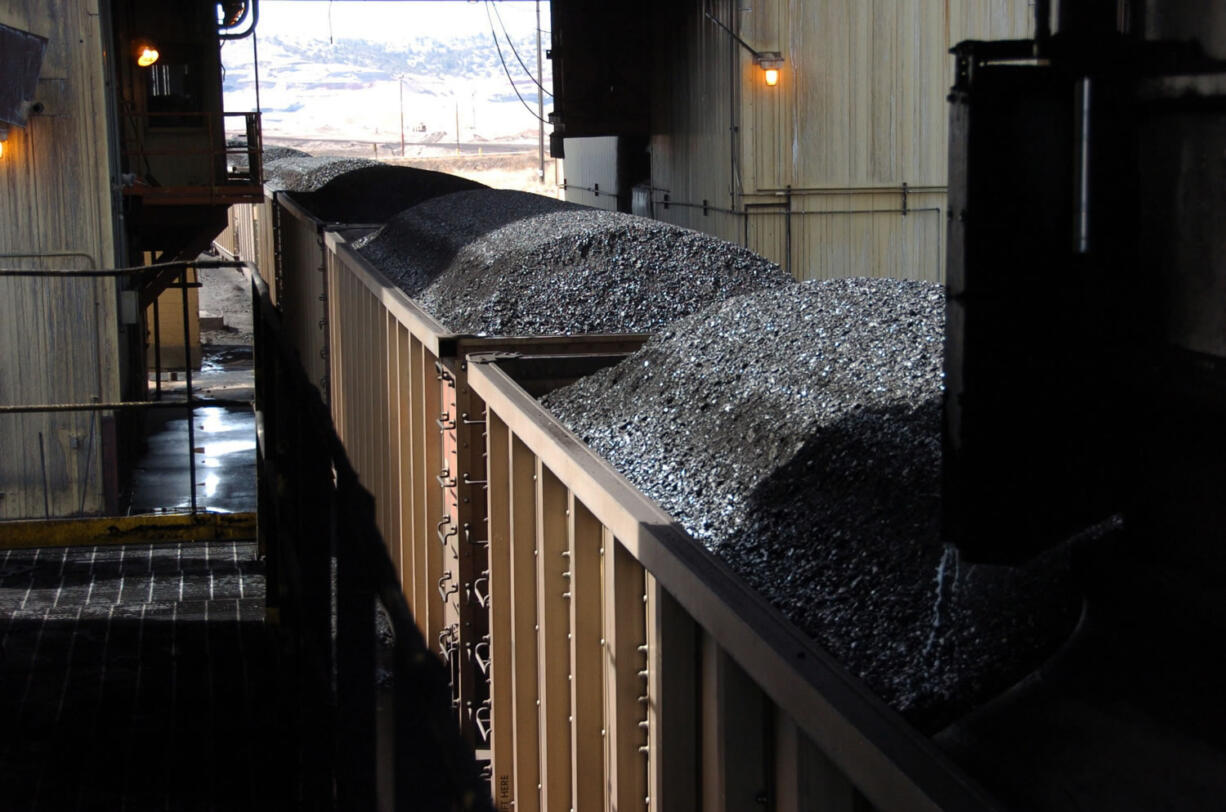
[1084, 348]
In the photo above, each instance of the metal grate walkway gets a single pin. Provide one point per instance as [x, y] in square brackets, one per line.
[135, 678]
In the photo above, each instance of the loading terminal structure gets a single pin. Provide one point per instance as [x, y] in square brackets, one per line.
[464, 606]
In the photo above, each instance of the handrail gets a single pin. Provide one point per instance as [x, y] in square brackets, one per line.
[245, 177]
[190, 401]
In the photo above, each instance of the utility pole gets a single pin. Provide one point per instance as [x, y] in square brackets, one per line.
[401, 79]
[457, 125]
[540, 95]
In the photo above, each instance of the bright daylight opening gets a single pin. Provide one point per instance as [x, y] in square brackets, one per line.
[449, 86]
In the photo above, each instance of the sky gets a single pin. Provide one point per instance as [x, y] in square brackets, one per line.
[392, 22]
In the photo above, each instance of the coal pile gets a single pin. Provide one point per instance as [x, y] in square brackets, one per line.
[796, 433]
[497, 262]
[278, 153]
[372, 194]
[306, 173]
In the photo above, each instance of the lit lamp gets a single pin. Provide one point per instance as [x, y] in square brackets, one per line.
[146, 53]
[4, 136]
[770, 62]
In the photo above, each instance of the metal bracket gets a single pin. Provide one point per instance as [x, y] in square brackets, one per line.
[468, 537]
[483, 662]
[442, 537]
[483, 724]
[444, 593]
[483, 598]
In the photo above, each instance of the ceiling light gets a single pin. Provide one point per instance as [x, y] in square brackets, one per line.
[146, 53]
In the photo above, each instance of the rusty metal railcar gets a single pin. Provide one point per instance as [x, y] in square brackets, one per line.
[631, 669]
[249, 235]
[599, 656]
[402, 405]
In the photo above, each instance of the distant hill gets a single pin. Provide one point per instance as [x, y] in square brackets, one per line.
[351, 88]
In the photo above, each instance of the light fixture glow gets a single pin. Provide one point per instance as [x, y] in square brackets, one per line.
[1, 149]
[146, 54]
[770, 62]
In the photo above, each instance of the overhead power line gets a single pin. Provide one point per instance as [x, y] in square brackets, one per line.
[506, 70]
[507, 36]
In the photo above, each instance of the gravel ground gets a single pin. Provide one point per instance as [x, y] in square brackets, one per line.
[796, 433]
[306, 173]
[372, 194]
[497, 262]
[225, 292]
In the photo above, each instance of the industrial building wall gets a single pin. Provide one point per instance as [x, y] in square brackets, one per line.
[695, 93]
[815, 167]
[57, 336]
[169, 328]
[590, 172]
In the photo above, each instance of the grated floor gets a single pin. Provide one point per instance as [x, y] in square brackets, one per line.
[135, 678]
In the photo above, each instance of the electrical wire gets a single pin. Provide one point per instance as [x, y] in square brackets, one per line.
[507, 36]
[505, 69]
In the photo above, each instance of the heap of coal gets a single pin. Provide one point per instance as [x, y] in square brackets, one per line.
[372, 194]
[497, 262]
[796, 433]
[306, 173]
[278, 153]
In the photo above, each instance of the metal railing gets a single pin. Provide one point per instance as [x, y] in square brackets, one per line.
[190, 401]
[231, 174]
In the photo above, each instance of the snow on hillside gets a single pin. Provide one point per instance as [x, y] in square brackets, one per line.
[351, 87]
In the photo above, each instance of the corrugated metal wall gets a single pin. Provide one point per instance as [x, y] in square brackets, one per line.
[57, 337]
[815, 168]
[693, 145]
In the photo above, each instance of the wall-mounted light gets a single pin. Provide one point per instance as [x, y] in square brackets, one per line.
[146, 52]
[771, 62]
[4, 136]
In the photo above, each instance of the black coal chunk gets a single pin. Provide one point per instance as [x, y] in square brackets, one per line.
[511, 263]
[306, 173]
[373, 194]
[796, 433]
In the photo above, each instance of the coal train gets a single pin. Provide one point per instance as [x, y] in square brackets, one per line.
[606, 653]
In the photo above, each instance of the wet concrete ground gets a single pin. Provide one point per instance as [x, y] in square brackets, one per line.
[225, 462]
[225, 444]
[136, 678]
